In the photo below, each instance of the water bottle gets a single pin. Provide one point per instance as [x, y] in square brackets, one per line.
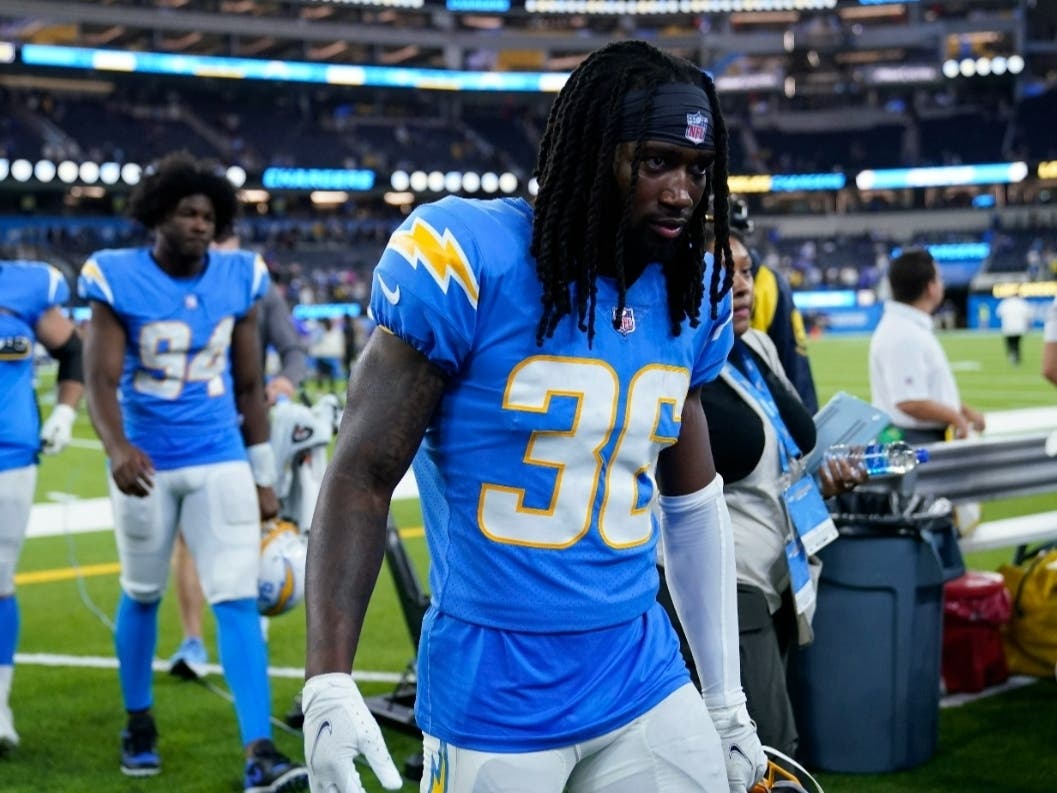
[880, 459]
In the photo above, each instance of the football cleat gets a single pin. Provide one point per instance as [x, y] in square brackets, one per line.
[190, 659]
[139, 755]
[8, 736]
[268, 771]
[281, 579]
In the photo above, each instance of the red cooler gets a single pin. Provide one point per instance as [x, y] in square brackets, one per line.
[975, 607]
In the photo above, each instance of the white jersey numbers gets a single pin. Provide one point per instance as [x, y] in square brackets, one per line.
[164, 349]
[624, 441]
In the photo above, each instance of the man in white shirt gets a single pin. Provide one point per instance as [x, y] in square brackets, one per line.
[1014, 312]
[910, 376]
[1049, 348]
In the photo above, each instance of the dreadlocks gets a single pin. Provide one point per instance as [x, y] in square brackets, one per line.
[173, 178]
[576, 225]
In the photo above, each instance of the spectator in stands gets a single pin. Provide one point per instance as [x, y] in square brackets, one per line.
[1049, 344]
[172, 358]
[328, 351]
[31, 298]
[758, 426]
[910, 376]
[276, 329]
[1014, 313]
[539, 434]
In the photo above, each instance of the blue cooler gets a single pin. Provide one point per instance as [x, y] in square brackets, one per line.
[866, 691]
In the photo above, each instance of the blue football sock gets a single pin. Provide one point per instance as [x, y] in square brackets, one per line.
[135, 638]
[9, 620]
[245, 662]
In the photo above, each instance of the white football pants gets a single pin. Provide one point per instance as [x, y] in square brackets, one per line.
[672, 748]
[17, 486]
[216, 507]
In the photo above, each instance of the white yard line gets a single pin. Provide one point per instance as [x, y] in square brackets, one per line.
[162, 665]
[1017, 681]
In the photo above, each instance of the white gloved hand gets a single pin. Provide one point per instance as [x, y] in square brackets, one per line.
[338, 727]
[57, 431]
[742, 752]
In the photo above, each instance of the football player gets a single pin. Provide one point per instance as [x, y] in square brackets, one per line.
[545, 662]
[172, 359]
[276, 328]
[31, 298]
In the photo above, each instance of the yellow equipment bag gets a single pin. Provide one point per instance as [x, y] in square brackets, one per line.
[1030, 637]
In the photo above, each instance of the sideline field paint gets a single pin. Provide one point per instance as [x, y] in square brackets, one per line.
[95, 514]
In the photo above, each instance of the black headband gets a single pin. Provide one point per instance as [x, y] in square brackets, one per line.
[681, 114]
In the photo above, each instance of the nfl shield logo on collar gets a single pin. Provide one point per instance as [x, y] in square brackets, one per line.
[624, 321]
[696, 128]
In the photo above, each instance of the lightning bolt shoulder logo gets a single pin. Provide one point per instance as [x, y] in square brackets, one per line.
[441, 255]
[392, 295]
[92, 272]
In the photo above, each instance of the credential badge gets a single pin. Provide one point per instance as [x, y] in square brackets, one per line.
[696, 127]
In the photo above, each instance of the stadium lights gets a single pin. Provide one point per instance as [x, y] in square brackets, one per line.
[382, 3]
[400, 181]
[982, 67]
[508, 182]
[435, 181]
[419, 181]
[399, 198]
[67, 171]
[22, 170]
[109, 173]
[624, 7]
[89, 172]
[44, 170]
[489, 182]
[236, 174]
[131, 173]
[5, 168]
[328, 197]
[254, 196]
[453, 181]
[471, 182]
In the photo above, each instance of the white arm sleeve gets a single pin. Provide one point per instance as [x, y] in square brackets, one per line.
[699, 565]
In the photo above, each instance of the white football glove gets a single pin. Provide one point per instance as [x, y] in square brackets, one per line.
[57, 431]
[337, 728]
[742, 752]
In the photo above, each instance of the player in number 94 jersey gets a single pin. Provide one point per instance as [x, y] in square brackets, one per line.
[174, 334]
[539, 365]
[176, 386]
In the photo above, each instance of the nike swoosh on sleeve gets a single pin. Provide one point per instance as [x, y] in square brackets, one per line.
[392, 295]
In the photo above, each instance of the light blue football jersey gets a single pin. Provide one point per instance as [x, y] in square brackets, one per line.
[27, 291]
[177, 399]
[526, 532]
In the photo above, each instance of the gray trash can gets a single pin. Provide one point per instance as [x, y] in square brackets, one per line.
[866, 691]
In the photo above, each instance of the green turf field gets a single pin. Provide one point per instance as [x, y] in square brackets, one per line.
[69, 713]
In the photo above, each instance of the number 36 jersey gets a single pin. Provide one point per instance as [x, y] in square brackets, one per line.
[176, 386]
[536, 472]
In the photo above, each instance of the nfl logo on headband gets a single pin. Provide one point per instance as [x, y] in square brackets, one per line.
[696, 128]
